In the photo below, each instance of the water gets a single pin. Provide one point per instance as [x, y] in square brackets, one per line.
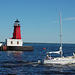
[23, 63]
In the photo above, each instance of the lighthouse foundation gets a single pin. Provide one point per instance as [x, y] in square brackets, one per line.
[16, 48]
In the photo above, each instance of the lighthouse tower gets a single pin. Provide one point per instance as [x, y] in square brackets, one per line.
[16, 39]
[17, 32]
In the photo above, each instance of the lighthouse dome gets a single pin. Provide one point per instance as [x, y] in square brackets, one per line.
[17, 20]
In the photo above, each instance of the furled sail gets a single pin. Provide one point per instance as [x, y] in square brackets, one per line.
[58, 52]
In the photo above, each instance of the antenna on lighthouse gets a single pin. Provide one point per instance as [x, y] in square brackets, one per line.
[17, 20]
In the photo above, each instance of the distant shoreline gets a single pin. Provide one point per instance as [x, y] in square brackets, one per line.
[41, 43]
[44, 43]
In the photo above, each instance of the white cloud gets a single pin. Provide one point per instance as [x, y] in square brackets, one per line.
[65, 19]
[68, 19]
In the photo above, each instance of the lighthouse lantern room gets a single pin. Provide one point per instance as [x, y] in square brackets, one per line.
[16, 39]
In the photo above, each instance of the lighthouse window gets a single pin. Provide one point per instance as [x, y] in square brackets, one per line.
[17, 42]
[11, 42]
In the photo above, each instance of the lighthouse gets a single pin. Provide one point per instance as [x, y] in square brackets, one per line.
[16, 39]
[17, 32]
[15, 43]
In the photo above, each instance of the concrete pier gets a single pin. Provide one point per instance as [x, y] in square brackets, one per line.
[16, 48]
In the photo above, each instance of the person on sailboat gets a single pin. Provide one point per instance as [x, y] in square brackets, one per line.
[50, 57]
[47, 56]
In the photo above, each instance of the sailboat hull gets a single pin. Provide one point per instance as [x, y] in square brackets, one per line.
[62, 61]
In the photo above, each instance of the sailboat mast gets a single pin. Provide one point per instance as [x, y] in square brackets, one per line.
[61, 35]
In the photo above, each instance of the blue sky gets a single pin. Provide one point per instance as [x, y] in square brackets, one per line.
[39, 20]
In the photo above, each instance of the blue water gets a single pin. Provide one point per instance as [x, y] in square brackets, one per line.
[23, 63]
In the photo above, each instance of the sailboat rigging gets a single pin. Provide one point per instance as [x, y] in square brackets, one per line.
[61, 35]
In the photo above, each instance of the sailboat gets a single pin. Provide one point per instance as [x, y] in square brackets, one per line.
[60, 60]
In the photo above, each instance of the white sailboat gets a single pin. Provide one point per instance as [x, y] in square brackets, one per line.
[60, 60]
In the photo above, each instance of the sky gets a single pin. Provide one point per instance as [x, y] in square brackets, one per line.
[39, 20]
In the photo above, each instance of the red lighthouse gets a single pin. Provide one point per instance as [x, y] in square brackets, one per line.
[15, 43]
[17, 32]
[16, 39]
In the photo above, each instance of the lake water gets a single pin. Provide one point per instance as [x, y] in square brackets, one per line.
[23, 63]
